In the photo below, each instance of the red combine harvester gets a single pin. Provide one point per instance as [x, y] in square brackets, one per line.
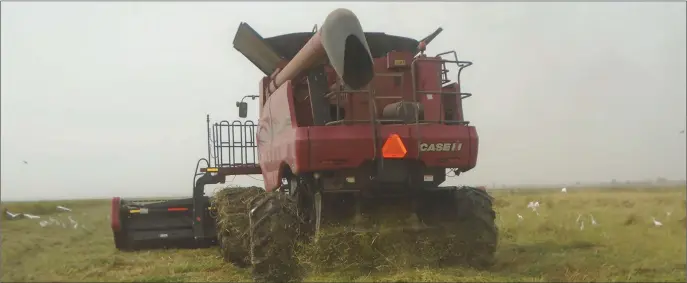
[351, 123]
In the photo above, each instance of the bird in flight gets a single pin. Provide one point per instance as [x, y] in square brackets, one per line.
[25, 162]
[682, 132]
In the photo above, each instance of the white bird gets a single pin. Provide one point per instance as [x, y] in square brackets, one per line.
[533, 205]
[11, 215]
[592, 219]
[520, 217]
[668, 213]
[578, 218]
[582, 225]
[43, 223]
[74, 223]
[656, 223]
[14, 215]
[564, 190]
[62, 208]
[31, 216]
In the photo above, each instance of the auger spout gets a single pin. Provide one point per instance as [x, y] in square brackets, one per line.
[340, 40]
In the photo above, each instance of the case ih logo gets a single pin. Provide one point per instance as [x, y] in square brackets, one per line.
[447, 146]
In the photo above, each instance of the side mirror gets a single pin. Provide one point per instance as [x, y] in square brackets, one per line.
[243, 109]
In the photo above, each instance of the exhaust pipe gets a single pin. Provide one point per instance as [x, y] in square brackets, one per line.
[340, 40]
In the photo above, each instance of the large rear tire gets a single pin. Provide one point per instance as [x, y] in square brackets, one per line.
[477, 222]
[274, 225]
[468, 214]
[232, 224]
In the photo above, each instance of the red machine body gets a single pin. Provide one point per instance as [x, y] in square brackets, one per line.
[288, 140]
[325, 126]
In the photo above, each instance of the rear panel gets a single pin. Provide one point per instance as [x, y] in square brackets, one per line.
[449, 146]
[441, 138]
[352, 125]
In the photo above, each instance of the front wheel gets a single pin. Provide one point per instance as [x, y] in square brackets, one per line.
[232, 223]
[274, 230]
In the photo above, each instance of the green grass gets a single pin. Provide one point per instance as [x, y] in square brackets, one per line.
[624, 246]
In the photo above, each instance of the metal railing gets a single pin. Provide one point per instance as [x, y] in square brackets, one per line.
[346, 94]
[232, 143]
[375, 121]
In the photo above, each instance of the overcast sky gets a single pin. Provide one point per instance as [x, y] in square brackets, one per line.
[109, 98]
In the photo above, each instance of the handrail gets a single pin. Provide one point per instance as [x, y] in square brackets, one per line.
[462, 95]
[374, 122]
[234, 143]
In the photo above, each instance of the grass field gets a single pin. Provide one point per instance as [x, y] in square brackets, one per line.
[624, 245]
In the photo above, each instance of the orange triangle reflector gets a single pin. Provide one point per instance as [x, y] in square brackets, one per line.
[393, 147]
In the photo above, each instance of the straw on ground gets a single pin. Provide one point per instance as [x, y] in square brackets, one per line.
[625, 245]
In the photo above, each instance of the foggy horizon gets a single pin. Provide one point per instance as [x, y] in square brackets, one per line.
[109, 99]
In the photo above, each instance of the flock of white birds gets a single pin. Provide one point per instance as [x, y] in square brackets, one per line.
[51, 221]
[534, 206]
